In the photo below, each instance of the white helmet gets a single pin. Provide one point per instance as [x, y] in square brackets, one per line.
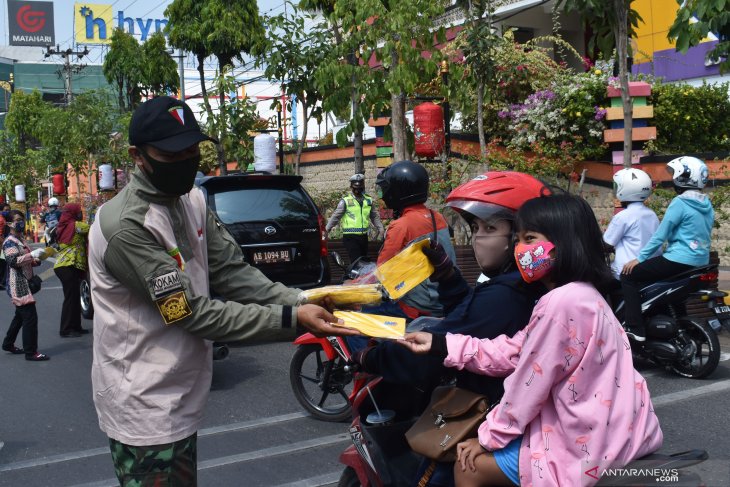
[688, 172]
[355, 178]
[52, 201]
[632, 185]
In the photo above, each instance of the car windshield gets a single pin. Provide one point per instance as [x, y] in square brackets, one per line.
[257, 204]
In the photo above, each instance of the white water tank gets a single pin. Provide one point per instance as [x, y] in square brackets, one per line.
[19, 193]
[264, 153]
[106, 177]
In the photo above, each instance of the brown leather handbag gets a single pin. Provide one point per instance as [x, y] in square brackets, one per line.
[453, 415]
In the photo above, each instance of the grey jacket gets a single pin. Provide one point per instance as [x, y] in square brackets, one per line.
[153, 260]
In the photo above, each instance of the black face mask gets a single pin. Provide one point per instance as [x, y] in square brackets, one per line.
[173, 178]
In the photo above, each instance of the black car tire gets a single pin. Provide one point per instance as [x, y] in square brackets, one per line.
[87, 307]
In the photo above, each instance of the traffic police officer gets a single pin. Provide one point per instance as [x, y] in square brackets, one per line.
[354, 213]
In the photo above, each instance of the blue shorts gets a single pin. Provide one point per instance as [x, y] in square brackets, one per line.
[508, 459]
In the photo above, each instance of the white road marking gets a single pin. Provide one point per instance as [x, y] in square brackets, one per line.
[318, 481]
[66, 457]
[258, 455]
[671, 398]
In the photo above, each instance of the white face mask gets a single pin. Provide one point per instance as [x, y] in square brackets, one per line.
[490, 241]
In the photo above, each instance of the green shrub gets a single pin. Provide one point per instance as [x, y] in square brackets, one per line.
[690, 119]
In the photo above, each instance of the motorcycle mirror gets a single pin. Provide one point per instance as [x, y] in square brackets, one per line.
[338, 259]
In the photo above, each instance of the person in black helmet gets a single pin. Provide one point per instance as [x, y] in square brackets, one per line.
[356, 213]
[403, 187]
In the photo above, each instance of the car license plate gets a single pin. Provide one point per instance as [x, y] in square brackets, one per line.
[271, 256]
[722, 310]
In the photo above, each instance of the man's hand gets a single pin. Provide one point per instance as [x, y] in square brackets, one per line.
[466, 452]
[321, 322]
[629, 266]
[443, 267]
[418, 342]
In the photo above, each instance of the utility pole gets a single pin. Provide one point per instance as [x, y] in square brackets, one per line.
[181, 64]
[68, 69]
[180, 56]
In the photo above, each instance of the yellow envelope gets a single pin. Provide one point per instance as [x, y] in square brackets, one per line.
[376, 326]
[406, 270]
[346, 295]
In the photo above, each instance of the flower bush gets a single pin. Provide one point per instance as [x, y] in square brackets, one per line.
[690, 119]
[570, 112]
[520, 70]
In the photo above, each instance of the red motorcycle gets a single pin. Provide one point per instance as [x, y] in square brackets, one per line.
[321, 375]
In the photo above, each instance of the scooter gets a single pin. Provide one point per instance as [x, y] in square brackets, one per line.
[685, 345]
[380, 457]
[320, 371]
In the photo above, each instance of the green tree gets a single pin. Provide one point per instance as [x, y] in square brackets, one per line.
[480, 43]
[394, 33]
[612, 23]
[24, 114]
[222, 28]
[242, 118]
[293, 54]
[712, 16]
[122, 68]
[158, 69]
[341, 78]
[184, 30]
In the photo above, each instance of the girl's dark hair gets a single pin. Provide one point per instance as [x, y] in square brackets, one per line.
[569, 223]
[12, 214]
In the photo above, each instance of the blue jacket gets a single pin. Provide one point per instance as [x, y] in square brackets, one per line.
[502, 305]
[686, 227]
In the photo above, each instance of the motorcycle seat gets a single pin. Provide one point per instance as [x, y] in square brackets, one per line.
[683, 275]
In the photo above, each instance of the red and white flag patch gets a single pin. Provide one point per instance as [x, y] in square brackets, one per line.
[178, 114]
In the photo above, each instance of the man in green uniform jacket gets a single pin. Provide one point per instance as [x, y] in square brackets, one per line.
[155, 253]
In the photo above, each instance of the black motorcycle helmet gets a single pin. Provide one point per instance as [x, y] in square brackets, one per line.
[402, 184]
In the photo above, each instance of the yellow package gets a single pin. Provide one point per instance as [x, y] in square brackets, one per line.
[406, 270]
[49, 252]
[376, 326]
[344, 295]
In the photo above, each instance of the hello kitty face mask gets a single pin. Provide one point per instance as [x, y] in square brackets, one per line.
[533, 260]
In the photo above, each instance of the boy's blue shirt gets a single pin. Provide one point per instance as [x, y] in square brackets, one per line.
[686, 227]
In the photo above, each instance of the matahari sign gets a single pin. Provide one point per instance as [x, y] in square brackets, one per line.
[31, 23]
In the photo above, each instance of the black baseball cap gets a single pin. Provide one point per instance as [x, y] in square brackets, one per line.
[165, 123]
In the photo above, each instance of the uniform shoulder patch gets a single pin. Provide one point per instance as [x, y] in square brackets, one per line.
[164, 284]
[174, 307]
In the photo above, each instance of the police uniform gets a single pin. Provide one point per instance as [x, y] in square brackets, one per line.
[354, 216]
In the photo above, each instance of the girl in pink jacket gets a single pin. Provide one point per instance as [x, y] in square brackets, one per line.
[573, 405]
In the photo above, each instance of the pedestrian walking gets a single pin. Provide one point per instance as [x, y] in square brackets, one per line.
[21, 261]
[70, 267]
[356, 214]
[155, 252]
